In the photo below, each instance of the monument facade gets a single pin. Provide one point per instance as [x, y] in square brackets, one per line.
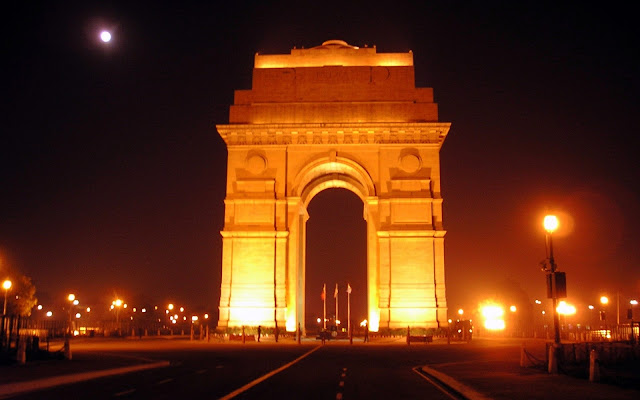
[333, 116]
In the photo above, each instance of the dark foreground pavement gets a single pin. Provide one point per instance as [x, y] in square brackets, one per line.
[479, 370]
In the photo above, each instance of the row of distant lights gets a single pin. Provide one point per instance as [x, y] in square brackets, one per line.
[568, 309]
[120, 303]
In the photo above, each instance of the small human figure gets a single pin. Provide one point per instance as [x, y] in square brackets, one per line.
[366, 333]
[259, 332]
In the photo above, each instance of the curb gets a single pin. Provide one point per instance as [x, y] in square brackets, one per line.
[462, 389]
[12, 389]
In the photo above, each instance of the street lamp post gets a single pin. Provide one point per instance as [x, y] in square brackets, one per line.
[604, 300]
[632, 303]
[117, 303]
[74, 302]
[6, 285]
[550, 225]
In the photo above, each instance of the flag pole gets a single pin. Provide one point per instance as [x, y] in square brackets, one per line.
[335, 294]
[324, 306]
[348, 307]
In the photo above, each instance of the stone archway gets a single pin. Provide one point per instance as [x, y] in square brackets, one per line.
[333, 116]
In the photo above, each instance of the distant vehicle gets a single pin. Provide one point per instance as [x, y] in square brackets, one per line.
[327, 334]
[462, 330]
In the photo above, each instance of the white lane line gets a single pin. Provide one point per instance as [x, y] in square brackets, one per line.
[267, 376]
[11, 389]
[343, 375]
[341, 384]
[124, 356]
[435, 383]
[465, 390]
[339, 396]
[162, 382]
[124, 393]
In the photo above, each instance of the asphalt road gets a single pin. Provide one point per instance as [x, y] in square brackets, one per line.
[307, 371]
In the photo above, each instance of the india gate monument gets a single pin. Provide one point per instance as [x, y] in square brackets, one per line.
[333, 116]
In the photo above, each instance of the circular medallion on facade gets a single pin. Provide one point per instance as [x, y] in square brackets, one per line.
[256, 164]
[410, 163]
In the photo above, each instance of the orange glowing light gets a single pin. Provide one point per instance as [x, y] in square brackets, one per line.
[492, 311]
[565, 309]
[550, 223]
[494, 324]
[493, 314]
[604, 300]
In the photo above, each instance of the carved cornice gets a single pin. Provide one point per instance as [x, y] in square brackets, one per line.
[432, 133]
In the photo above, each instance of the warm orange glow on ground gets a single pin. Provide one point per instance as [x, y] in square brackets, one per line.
[291, 324]
[374, 321]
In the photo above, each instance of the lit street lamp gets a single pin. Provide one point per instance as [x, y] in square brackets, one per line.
[6, 285]
[632, 303]
[550, 225]
[72, 299]
[117, 304]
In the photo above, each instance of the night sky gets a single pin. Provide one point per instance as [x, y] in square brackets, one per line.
[113, 176]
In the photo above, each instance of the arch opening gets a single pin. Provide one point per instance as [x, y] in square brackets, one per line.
[336, 253]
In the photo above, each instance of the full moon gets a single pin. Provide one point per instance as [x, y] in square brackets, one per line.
[105, 36]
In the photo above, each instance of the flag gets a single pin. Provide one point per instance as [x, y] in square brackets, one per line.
[335, 293]
[323, 295]
[348, 288]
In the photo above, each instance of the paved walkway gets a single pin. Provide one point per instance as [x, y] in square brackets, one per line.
[476, 380]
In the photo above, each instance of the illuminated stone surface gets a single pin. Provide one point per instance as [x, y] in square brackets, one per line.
[333, 116]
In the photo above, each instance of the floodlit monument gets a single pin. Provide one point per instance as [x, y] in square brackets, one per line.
[333, 116]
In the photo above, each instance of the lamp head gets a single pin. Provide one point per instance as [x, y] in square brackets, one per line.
[550, 223]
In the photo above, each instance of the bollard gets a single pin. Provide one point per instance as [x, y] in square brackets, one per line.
[67, 348]
[299, 334]
[553, 359]
[191, 334]
[594, 366]
[21, 355]
[524, 360]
